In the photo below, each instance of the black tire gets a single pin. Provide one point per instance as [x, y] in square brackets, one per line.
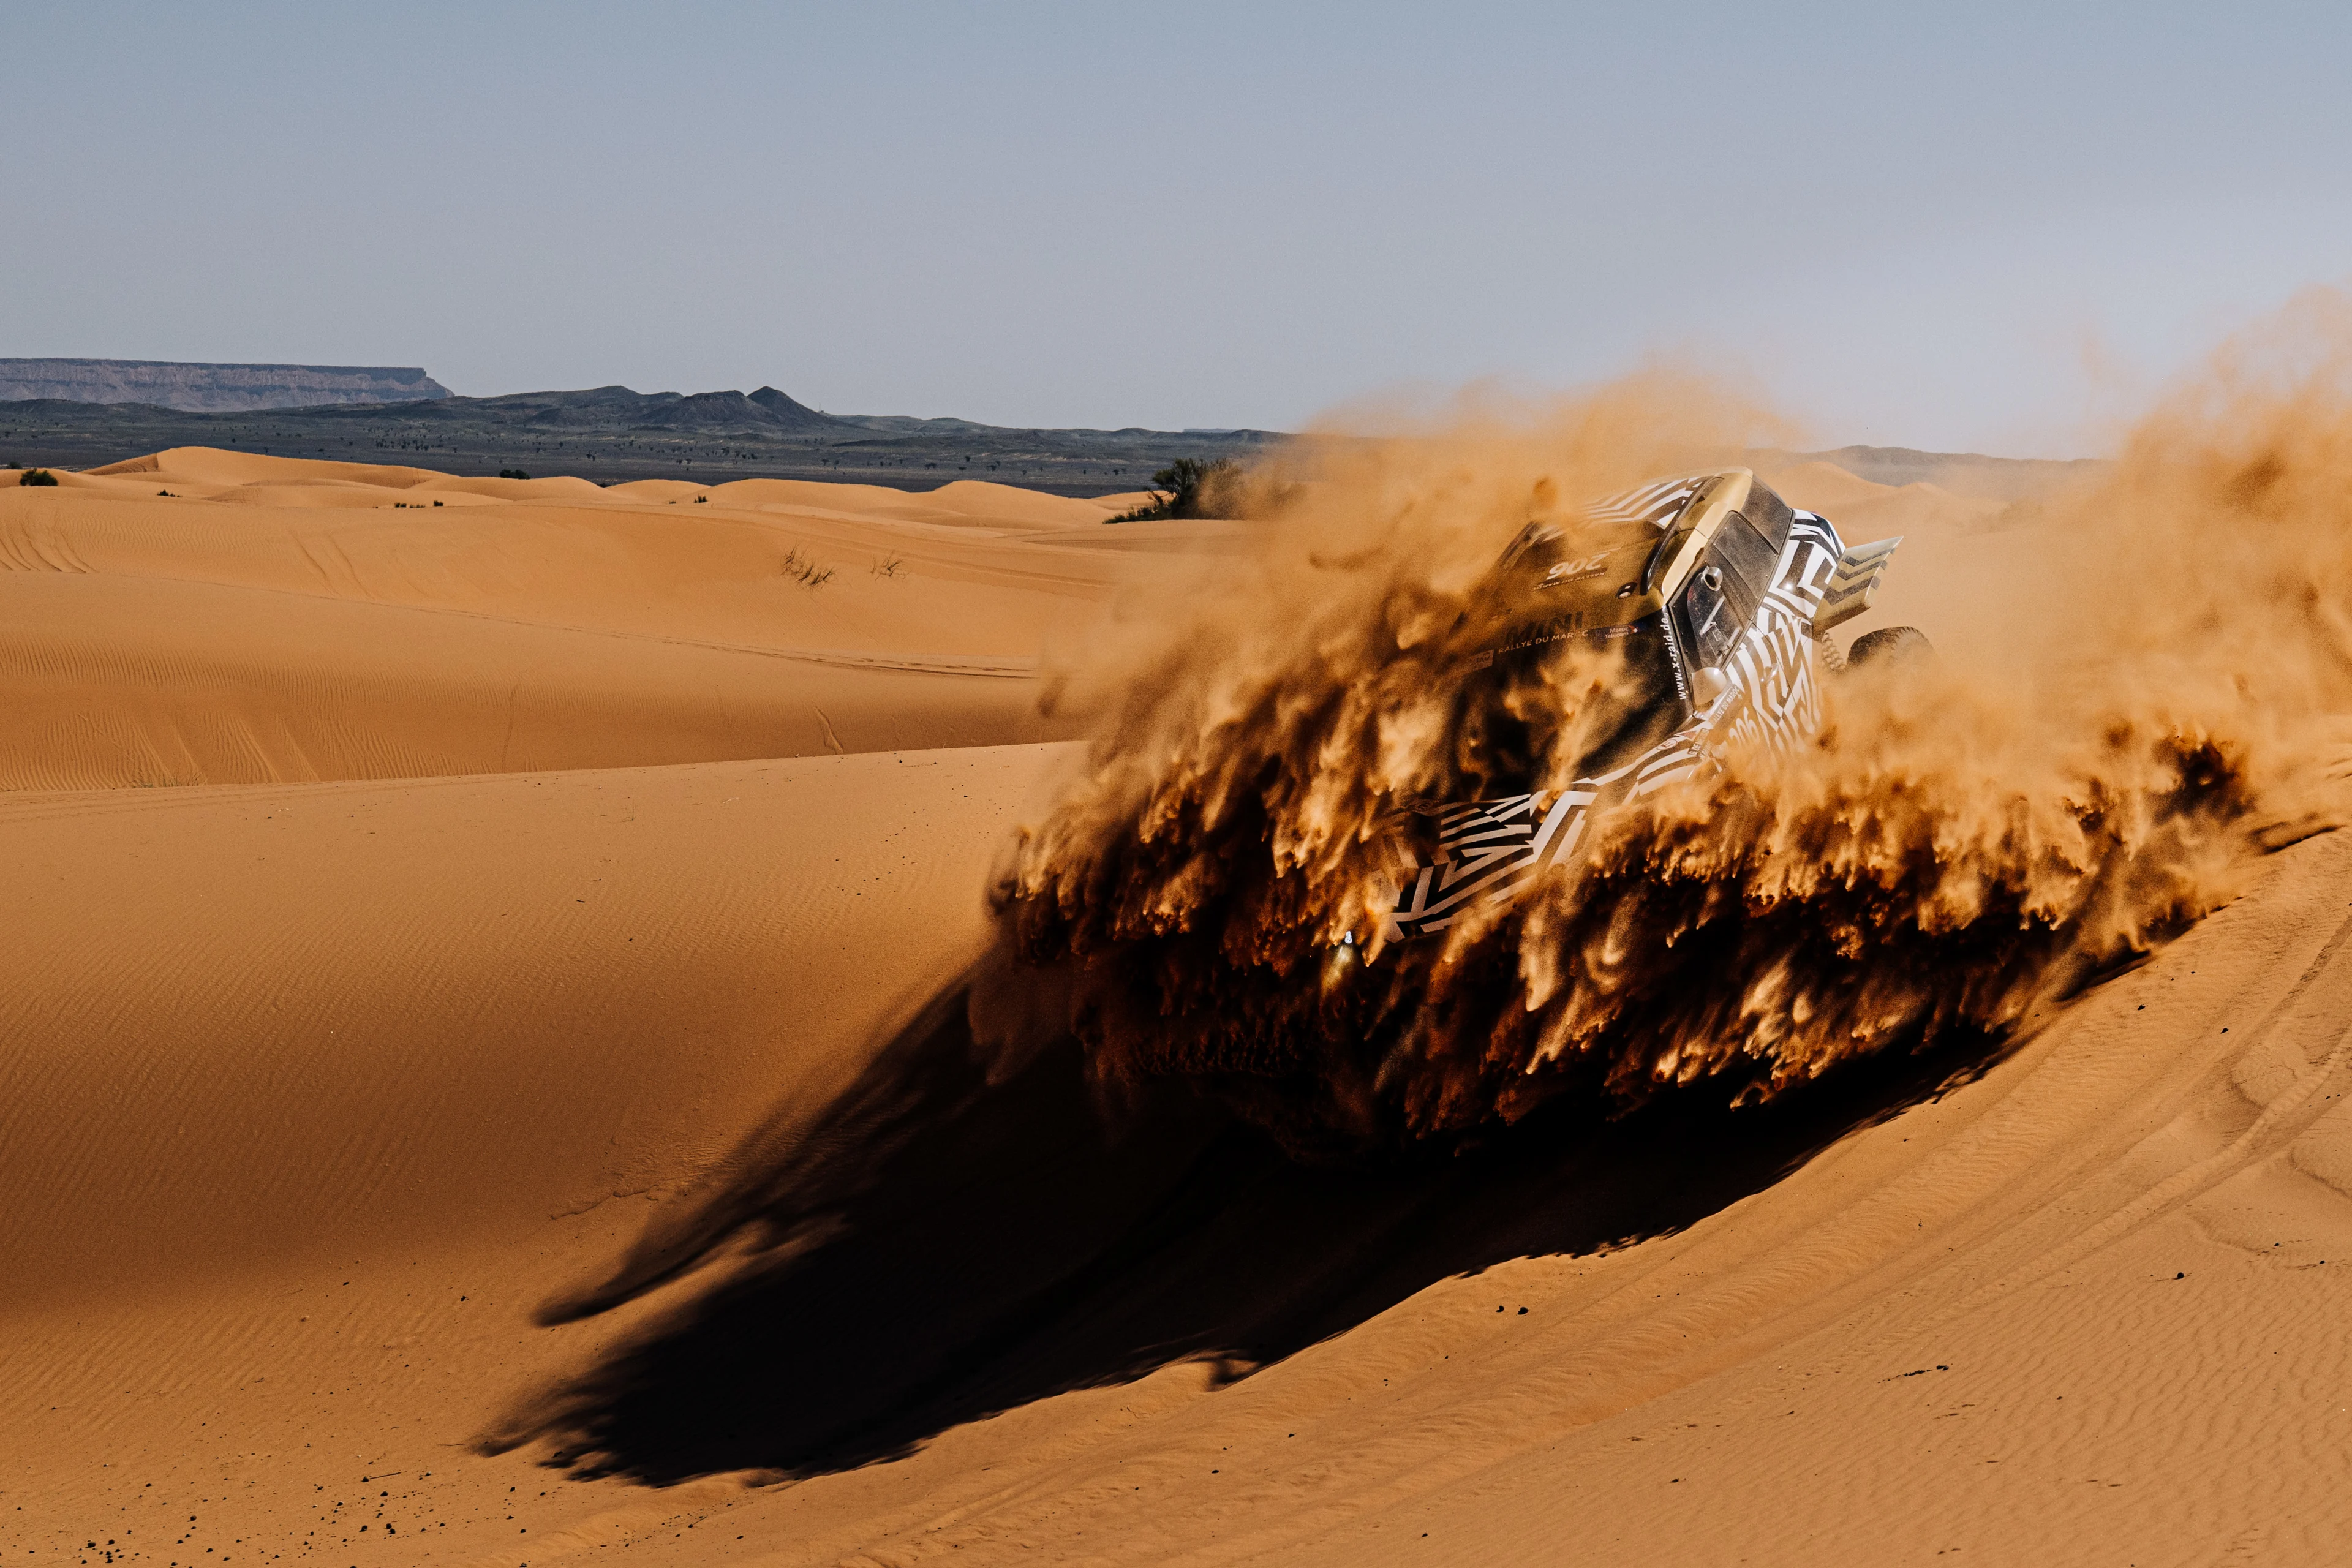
[1890, 647]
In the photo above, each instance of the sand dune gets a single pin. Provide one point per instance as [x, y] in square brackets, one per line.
[271, 619]
[513, 1100]
[318, 1016]
[323, 1085]
[120, 681]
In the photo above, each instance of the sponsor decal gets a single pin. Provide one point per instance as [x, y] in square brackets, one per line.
[1574, 571]
[1557, 629]
[1675, 655]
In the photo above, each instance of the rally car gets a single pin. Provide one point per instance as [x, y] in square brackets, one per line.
[1717, 596]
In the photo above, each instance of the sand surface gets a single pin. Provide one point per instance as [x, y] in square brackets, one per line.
[274, 620]
[545, 872]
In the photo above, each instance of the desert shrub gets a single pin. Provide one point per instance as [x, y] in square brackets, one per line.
[801, 568]
[1188, 488]
[37, 477]
[512, 474]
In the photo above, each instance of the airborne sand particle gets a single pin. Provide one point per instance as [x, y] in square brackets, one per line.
[1962, 845]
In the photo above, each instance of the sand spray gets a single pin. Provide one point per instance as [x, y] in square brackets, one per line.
[1964, 842]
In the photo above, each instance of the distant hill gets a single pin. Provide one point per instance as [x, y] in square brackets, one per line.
[193, 388]
[766, 411]
[610, 434]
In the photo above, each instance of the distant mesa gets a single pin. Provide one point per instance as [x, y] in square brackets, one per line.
[193, 388]
[88, 413]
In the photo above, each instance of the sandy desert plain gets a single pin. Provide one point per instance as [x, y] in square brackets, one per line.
[485, 1079]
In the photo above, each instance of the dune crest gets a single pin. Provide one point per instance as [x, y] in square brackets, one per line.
[199, 616]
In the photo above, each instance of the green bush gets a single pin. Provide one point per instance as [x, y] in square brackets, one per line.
[37, 477]
[1188, 488]
[512, 474]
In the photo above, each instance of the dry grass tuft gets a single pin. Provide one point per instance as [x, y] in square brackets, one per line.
[801, 567]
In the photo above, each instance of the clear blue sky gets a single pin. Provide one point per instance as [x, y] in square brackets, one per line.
[1986, 226]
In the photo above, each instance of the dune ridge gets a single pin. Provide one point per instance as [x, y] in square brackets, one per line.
[200, 616]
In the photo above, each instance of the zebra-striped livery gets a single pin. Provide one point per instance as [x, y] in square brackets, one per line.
[1763, 688]
[1657, 503]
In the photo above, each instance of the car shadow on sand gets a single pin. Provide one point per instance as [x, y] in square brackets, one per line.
[956, 1237]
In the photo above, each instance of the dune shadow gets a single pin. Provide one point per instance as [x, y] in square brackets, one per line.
[943, 1243]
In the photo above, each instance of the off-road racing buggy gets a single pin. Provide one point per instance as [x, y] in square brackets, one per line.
[1713, 599]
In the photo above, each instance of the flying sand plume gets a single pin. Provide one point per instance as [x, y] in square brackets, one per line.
[1962, 843]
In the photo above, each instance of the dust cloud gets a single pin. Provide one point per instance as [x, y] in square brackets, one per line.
[1962, 843]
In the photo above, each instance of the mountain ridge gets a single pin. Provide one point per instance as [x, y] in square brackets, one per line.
[614, 433]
